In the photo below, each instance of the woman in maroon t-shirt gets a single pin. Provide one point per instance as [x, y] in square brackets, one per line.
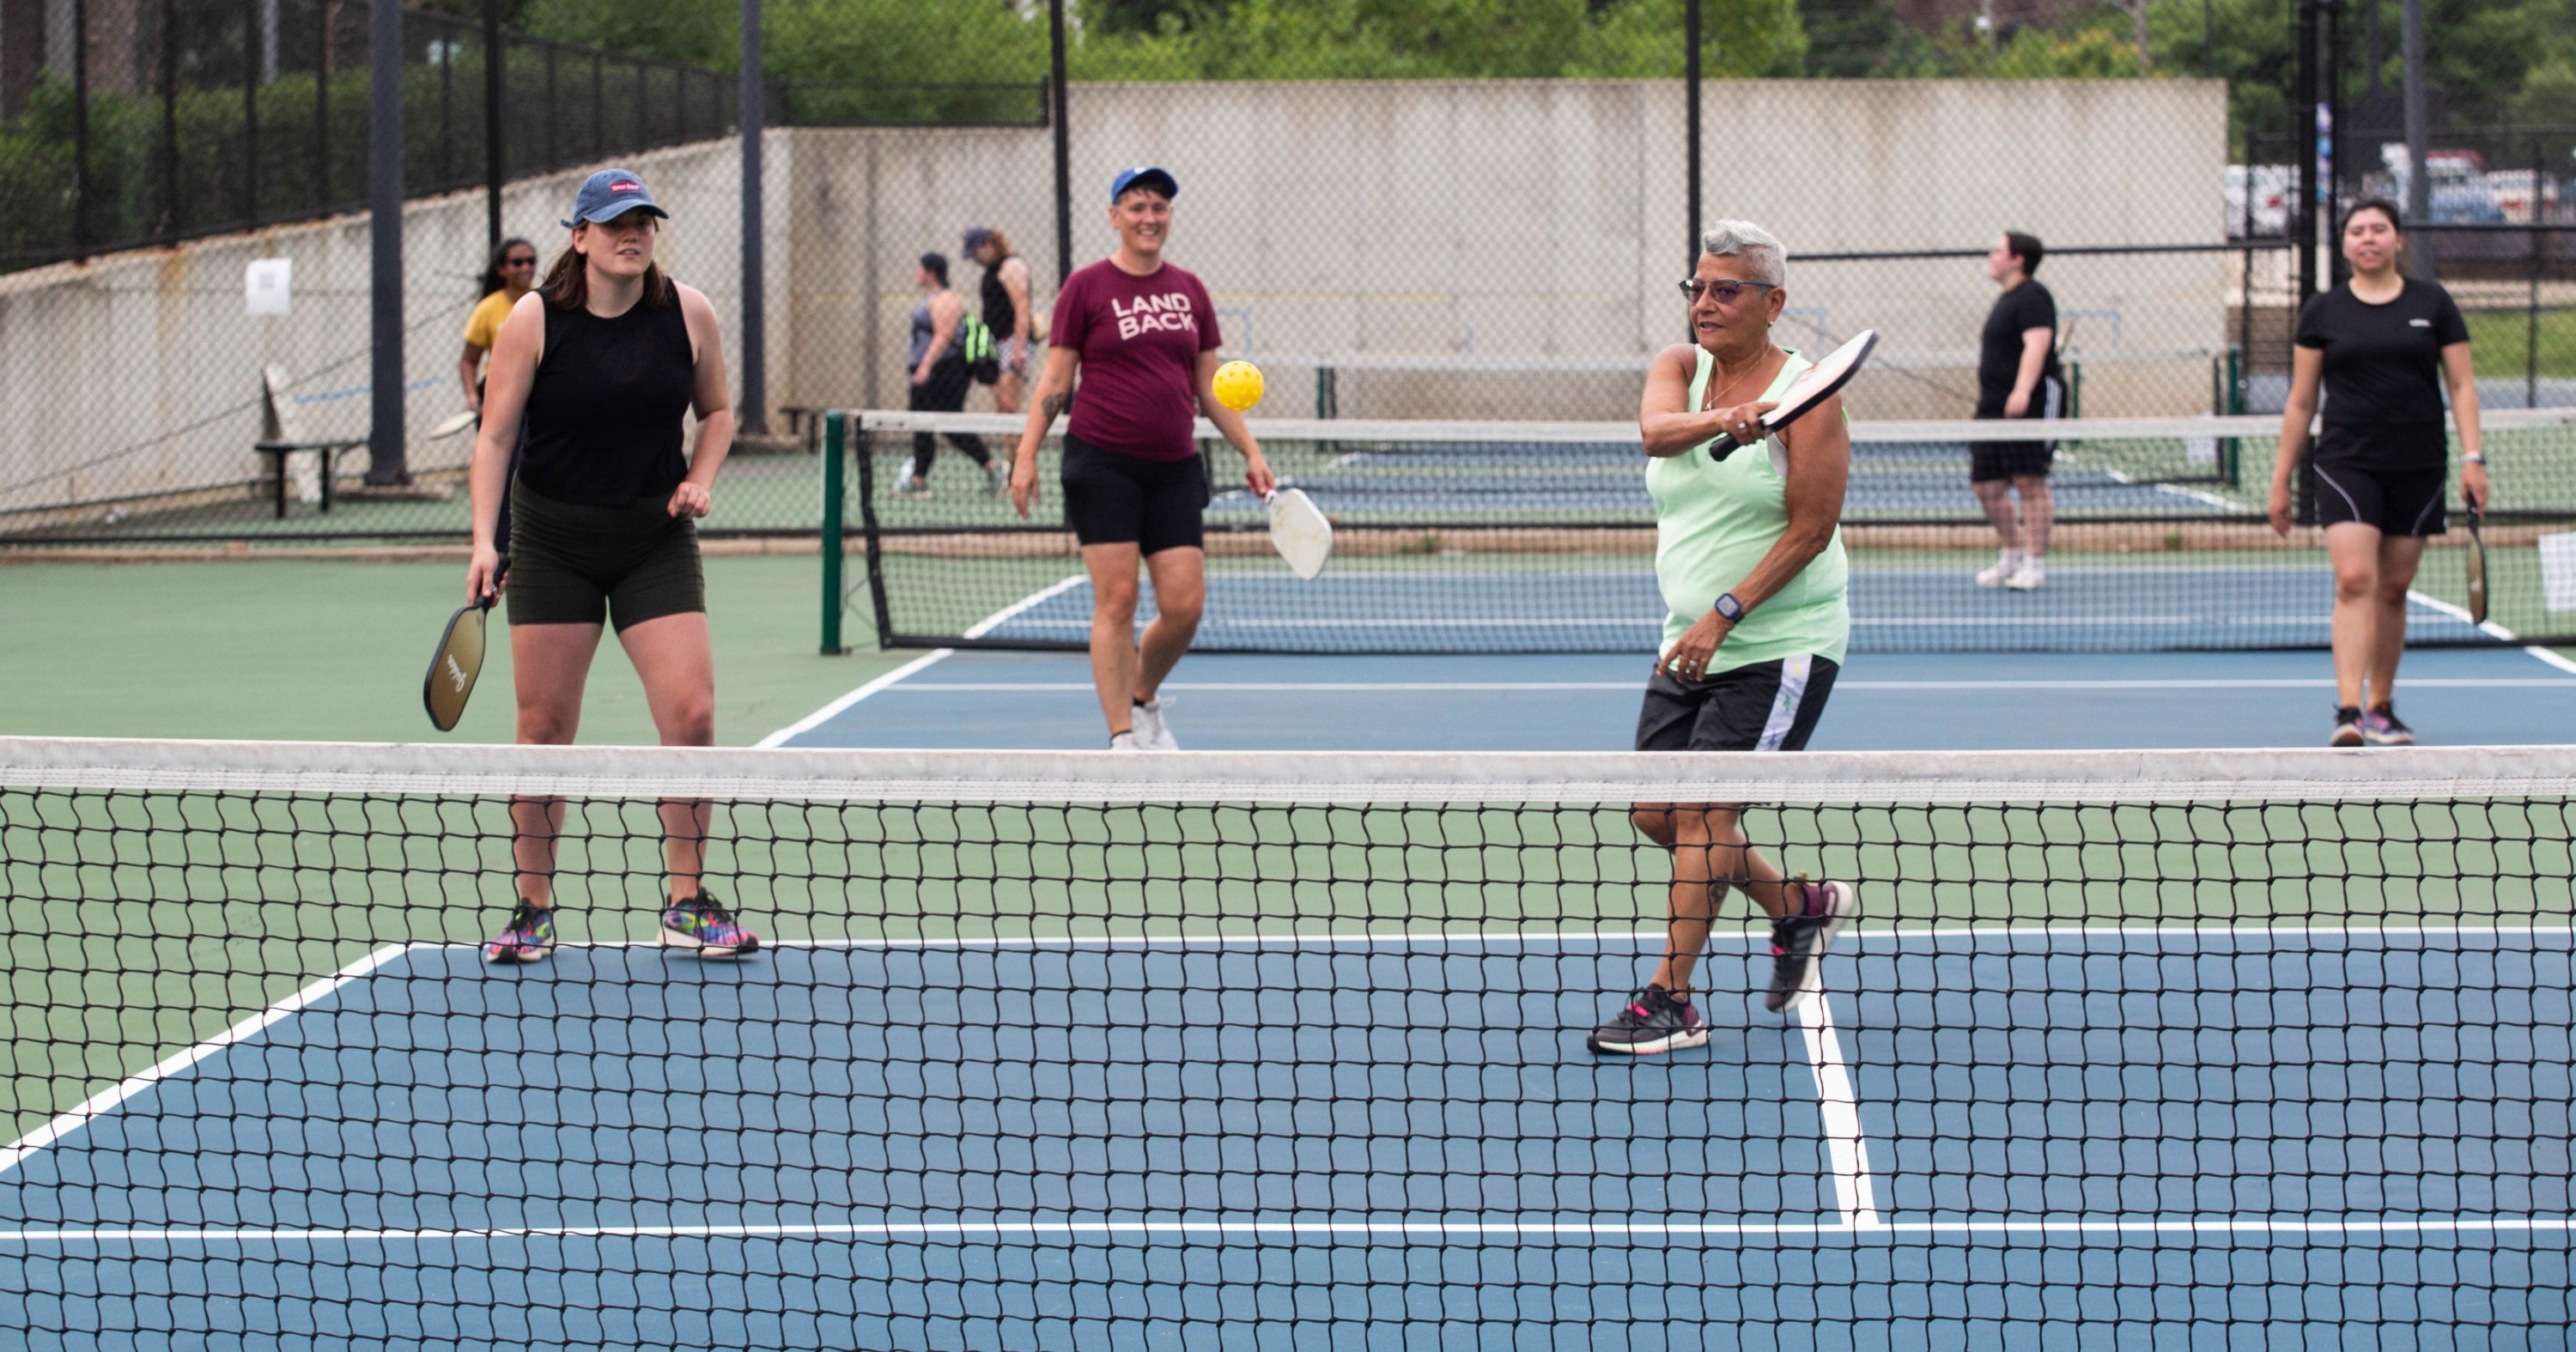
[1144, 334]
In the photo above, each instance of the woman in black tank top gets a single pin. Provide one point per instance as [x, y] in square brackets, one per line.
[1008, 312]
[591, 378]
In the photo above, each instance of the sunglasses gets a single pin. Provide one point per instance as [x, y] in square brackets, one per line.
[519, 262]
[1727, 292]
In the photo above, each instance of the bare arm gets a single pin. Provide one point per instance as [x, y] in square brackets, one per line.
[1230, 424]
[711, 398]
[2461, 376]
[2035, 343]
[1046, 404]
[1819, 470]
[515, 354]
[1664, 415]
[467, 367]
[2307, 368]
[1015, 280]
[945, 311]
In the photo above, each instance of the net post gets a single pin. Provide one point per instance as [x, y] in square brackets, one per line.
[866, 455]
[833, 509]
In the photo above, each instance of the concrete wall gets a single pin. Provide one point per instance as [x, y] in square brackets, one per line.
[1545, 220]
[138, 373]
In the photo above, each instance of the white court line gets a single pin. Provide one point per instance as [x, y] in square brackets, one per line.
[837, 707]
[100, 1104]
[2493, 629]
[1461, 687]
[917, 665]
[1846, 1148]
[1615, 1230]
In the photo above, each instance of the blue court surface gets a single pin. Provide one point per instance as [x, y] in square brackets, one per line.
[2236, 1136]
[1885, 702]
[1370, 606]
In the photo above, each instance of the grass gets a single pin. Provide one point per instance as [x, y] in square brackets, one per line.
[2501, 341]
[334, 650]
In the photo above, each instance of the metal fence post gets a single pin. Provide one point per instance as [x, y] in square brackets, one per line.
[80, 129]
[1063, 145]
[835, 445]
[492, 163]
[1690, 103]
[250, 113]
[755, 310]
[385, 201]
[322, 107]
[169, 223]
[2531, 316]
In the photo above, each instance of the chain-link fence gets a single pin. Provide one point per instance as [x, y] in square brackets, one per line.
[1383, 248]
[209, 117]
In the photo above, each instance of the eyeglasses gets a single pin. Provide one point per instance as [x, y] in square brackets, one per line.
[1727, 292]
[528, 262]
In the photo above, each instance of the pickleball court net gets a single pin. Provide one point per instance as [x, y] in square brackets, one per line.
[1488, 537]
[2189, 1049]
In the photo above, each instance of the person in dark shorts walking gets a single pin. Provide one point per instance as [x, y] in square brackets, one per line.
[1749, 558]
[598, 367]
[939, 362]
[1008, 312]
[2383, 346]
[1143, 334]
[2017, 377]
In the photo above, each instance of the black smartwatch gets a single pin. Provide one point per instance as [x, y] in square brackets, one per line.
[1729, 609]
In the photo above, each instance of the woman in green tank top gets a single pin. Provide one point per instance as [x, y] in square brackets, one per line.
[1750, 561]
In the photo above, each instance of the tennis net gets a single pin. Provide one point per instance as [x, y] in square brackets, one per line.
[1476, 537]
[1047, 1050]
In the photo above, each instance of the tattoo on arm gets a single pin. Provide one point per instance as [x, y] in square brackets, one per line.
[1053, 404]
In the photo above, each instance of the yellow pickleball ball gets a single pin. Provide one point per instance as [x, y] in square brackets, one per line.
[1238, 385]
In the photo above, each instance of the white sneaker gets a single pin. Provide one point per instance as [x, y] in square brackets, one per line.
[2030, 576]
[910, 487]
[1123, 741]
[1152, 733]
[2006, 564]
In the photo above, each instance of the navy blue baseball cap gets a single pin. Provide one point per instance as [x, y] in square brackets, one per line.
[609, 194]
[1159, 180]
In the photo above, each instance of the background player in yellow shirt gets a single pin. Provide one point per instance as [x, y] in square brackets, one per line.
[512, 273]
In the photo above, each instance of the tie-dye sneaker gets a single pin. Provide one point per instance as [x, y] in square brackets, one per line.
[529, 937]
[702, 925]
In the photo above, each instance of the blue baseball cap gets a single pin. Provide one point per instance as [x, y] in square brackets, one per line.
[1142, 177]
[609, 194]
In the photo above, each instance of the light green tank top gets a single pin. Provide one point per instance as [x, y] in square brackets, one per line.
[1715, 519]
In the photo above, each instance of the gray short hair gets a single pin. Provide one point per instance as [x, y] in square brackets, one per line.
[1764, 256]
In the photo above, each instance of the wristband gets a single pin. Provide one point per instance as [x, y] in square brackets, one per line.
[2473, 459]
[1729, 609]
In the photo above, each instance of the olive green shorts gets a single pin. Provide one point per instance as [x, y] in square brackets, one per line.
[574, 563]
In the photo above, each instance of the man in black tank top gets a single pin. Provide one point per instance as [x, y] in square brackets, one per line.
[598, 370]
[1008, 312]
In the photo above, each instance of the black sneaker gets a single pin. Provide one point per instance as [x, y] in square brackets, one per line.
[2347, 727]
[1799, 941]
[529, 937]
[1653, 1021]
[2380, 727]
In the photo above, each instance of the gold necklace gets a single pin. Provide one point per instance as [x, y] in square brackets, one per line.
[1712, 399]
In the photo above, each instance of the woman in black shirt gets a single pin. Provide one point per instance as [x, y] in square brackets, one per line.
[601, 363]
[2384, 346]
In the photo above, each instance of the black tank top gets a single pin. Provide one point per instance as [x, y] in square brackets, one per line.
[603, 418]
[999, 314]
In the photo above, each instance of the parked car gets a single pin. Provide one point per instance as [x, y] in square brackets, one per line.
[2272, 187]
[2515, 194]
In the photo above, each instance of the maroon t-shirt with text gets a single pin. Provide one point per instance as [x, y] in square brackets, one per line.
[1140, 340]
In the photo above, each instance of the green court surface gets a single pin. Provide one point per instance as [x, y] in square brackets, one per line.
[334, 650]
[2502, 341]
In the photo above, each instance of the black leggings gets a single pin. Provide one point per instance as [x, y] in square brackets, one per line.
[944, 393]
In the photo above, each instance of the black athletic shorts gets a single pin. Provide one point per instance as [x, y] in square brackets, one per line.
[2398, 502]
[1112, 499]
[1768, 706]
[1992, 460]
[573, 563]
